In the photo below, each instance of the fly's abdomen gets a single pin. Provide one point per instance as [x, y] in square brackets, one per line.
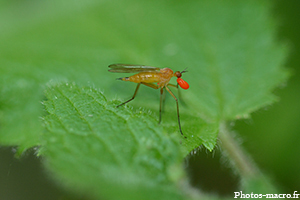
[146, 77]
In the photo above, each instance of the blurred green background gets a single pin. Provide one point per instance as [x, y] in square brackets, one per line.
[271, 136]
[277, 127]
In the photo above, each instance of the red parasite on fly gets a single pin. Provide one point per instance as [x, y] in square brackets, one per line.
[148, 75]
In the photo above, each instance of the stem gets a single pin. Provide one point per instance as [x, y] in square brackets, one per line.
[240, 160]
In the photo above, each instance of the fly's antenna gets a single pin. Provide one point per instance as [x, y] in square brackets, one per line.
[184, 71]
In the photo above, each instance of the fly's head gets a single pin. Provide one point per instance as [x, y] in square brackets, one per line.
[182, 83]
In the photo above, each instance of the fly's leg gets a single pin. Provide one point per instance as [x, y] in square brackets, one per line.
[179, 94]
[161, 97]
[161, 102]
[172, 85]
[177, 108]
[137, 87]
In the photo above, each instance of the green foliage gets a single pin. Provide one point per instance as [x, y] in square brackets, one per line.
[234, 64]
[111, 149]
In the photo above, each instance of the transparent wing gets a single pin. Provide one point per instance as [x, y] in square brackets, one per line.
[125, 68]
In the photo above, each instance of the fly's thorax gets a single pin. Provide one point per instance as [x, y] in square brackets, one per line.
[165, 75]
[166, 71]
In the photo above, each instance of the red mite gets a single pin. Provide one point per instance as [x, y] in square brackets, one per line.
[148, 76]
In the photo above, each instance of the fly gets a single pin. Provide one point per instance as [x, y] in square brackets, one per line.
[148, 75]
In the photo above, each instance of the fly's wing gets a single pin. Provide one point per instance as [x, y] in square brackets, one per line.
[125, 68]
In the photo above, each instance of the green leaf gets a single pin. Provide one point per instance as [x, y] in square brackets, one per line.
[110, 152]
[233, 59]
[234, 63]
[19, 111]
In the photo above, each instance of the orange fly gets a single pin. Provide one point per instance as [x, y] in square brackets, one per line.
[148, 75]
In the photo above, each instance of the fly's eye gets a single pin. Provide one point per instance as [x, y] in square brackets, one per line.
[183, 84]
